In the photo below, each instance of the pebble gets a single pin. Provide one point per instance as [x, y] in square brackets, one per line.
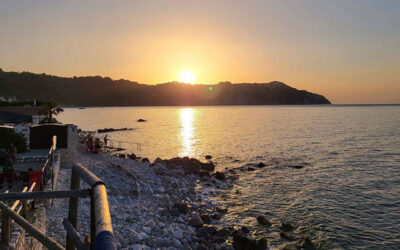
[196, 220]
[178, 234]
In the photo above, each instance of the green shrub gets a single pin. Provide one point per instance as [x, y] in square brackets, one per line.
[8, 136]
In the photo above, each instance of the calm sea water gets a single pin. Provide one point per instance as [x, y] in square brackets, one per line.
[346, 196]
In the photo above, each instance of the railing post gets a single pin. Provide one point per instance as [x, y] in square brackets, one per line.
[73, 207]
[92, 220]
[24, 208]
[5, 229]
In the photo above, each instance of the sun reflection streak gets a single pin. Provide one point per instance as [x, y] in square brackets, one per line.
[187, 131]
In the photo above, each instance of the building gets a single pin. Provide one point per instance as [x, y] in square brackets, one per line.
[21, 117]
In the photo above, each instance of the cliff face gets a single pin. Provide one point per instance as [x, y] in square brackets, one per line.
[100, 91]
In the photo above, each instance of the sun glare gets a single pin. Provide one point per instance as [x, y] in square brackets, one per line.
[187, 76]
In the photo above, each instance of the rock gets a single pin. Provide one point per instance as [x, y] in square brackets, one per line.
[177, 243]
[263, 221]
[250, 169]
[139, 247]
[245, 230]
[191, 169]
[223, 233]
[172, 166]
[209, 166]
[206, 232]
[286, 236]
[307, 244]
[140, 236]
[147, 230]
[261, 165]
[222, 210]
[178, 234]
[176, 173]
[219, 176]
[130, 220]
[150, 224]
[182, 208]
[208, 157]
[160, 169]
[121, 155]
[262, 243]
[204, 173]
[196, 220]
[242, 242]
[141, 120]
[206, 218]
[158, 160]
[286, 226]
[145, 160]
[132, 156]
[296, 166]
[216, 216]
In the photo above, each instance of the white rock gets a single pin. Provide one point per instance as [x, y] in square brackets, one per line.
[147, 229]
[178, 234]
[150, 223]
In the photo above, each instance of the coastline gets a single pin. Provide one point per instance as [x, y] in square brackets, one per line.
[151, 206]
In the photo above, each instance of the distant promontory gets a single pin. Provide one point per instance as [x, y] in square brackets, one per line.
[103, 91]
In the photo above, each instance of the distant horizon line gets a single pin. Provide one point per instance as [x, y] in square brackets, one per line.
[266, 105]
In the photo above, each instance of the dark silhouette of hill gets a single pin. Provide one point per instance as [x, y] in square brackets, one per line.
[103, 91]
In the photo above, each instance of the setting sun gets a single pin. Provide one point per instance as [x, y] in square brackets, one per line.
[187, 76]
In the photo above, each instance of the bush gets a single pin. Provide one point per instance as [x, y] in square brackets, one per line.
[8, 136]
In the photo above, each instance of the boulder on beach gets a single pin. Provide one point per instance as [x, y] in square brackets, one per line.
[141, 120]
[286, 236]
[242, 242]
[286, 226]
[196, 220]
[206, 218]
[190, 165]
[307, 244]
[245, 229]
[263, 221]
[206, 232]
[209, 166]
[204, 173]
[261, 165]
[208, 157]
[219, 176]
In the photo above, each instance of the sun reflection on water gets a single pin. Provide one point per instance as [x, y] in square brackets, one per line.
[187, 132]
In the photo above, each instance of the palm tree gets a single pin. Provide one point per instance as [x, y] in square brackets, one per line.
[50, 108]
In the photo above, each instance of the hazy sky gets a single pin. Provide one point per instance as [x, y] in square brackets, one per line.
[347, 50]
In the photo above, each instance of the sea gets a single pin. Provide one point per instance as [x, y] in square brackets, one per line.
[332, 171]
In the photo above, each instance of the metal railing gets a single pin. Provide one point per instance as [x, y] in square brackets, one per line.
[115, 144]
[101, 232]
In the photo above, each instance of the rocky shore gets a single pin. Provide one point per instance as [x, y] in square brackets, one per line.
[153, 205]
[162, 205]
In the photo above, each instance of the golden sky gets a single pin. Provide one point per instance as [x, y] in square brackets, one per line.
[348, 51]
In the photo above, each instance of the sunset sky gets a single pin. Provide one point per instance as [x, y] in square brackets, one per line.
[348, 51]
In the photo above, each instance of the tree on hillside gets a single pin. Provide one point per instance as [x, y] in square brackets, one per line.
[50, 109]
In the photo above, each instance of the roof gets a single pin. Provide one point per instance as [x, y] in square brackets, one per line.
[11, 117]
[6, 127]
[25, 110]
